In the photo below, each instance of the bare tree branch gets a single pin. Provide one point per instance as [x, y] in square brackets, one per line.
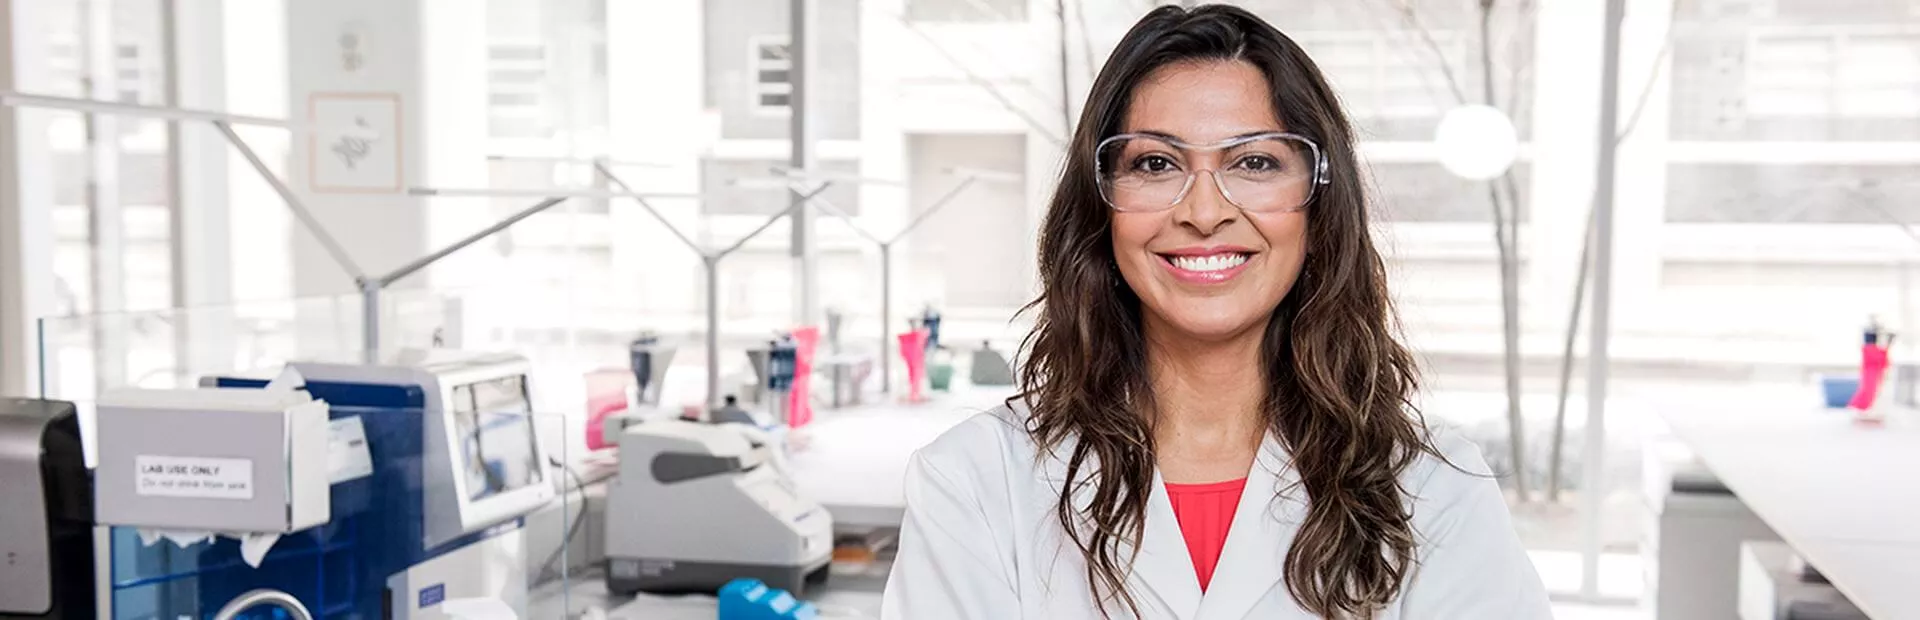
[1439, 56]
[1086, 40]
[992, 90]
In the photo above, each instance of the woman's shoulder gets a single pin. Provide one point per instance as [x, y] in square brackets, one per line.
[985, 439]
[1454, 472]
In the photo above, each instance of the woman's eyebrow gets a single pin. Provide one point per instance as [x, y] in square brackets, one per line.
[1170, 136]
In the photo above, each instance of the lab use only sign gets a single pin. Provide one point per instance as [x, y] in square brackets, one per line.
[194, 477]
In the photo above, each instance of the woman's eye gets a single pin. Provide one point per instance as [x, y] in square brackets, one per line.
[1154, 164]
[1258, 163]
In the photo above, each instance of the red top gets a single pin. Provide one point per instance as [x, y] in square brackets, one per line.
[1205, 511]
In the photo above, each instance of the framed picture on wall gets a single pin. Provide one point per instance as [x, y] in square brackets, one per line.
[355, 143]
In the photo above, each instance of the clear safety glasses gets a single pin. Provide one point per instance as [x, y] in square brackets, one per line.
[1264, 173]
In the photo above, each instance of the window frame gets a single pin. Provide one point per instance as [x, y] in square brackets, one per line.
[757, 90]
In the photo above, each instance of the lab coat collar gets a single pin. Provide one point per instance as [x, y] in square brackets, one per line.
[1252, 562]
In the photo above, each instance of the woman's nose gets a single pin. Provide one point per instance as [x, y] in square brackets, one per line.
[1205, 208]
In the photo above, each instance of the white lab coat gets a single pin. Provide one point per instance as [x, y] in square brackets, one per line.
[981, 542]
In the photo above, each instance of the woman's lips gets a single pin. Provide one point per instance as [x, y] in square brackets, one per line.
[1211, 268]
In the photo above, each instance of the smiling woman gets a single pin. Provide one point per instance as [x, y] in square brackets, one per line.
[1215, 418]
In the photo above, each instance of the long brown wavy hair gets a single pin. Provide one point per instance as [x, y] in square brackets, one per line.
[1339, 383]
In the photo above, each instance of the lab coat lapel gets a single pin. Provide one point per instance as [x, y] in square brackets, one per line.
[1164, 565]
[1253, 562]
[1163, 581]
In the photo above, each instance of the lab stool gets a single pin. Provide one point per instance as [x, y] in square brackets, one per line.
[1773, 586]
[1695, 527]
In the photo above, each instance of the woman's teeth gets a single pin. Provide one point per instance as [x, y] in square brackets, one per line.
[1212, 262]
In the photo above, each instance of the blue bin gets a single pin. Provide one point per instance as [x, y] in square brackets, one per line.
[1839, 390]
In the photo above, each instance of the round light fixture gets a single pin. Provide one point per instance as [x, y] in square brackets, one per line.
[1476, 142]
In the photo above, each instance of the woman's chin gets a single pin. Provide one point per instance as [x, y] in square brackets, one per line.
[1215, 328]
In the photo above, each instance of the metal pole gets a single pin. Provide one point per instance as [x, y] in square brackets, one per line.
[769, 223]
[99, 106]
[886, 317]
[370, 321]
[615, 180]
[937, 205]
[712, 264]
[1592, 469]
[300, 212]
[805, 248]
[424, 261]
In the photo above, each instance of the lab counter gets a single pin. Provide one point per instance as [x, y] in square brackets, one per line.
[854, 461]
[1844, 495]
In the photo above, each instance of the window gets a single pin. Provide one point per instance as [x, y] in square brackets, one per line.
[516, 90]
[1833, 74]
[1386, 74]
[772, 67]
[967, 10]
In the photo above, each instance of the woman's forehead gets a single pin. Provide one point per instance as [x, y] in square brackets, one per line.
[1202, 102]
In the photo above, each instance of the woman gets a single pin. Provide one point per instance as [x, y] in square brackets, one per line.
[1216, 419]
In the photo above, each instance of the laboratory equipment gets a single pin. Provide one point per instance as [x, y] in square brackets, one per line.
[751, 599]
[450, 465]
[46, 522]
[930, 320]
[990, 367]
[774, 374]
[263, 597]
[649, 360]
[697, 505]
[835, 319]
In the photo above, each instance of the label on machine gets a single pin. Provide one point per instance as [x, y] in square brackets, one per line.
[196, 477]
[347, 454]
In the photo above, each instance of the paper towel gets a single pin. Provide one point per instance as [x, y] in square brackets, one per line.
[253, 545]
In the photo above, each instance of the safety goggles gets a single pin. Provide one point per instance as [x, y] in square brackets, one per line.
[1261, 173]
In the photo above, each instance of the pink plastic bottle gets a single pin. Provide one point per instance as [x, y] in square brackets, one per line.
[1873, 369]
[913, 348]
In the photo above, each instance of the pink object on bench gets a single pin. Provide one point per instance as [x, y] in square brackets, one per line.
[913, 348]
[800, 405]
[1873, 368]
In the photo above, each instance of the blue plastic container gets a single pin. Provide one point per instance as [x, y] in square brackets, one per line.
[1839, 390]
[750, 599]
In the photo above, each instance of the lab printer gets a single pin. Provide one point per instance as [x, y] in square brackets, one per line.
[697, 505]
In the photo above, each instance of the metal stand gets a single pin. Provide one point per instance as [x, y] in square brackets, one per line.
[710, 260]
[370, 287]
[886, 266]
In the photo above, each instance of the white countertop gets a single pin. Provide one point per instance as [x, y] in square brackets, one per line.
[1844, 495]
[855, 460]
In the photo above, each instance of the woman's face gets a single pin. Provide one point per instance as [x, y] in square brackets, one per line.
[1205, 269]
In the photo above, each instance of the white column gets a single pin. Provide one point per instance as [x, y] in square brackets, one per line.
[201, 227]
[431, 56]
[26, 199]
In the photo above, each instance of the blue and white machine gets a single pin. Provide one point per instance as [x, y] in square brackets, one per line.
[448, 463]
